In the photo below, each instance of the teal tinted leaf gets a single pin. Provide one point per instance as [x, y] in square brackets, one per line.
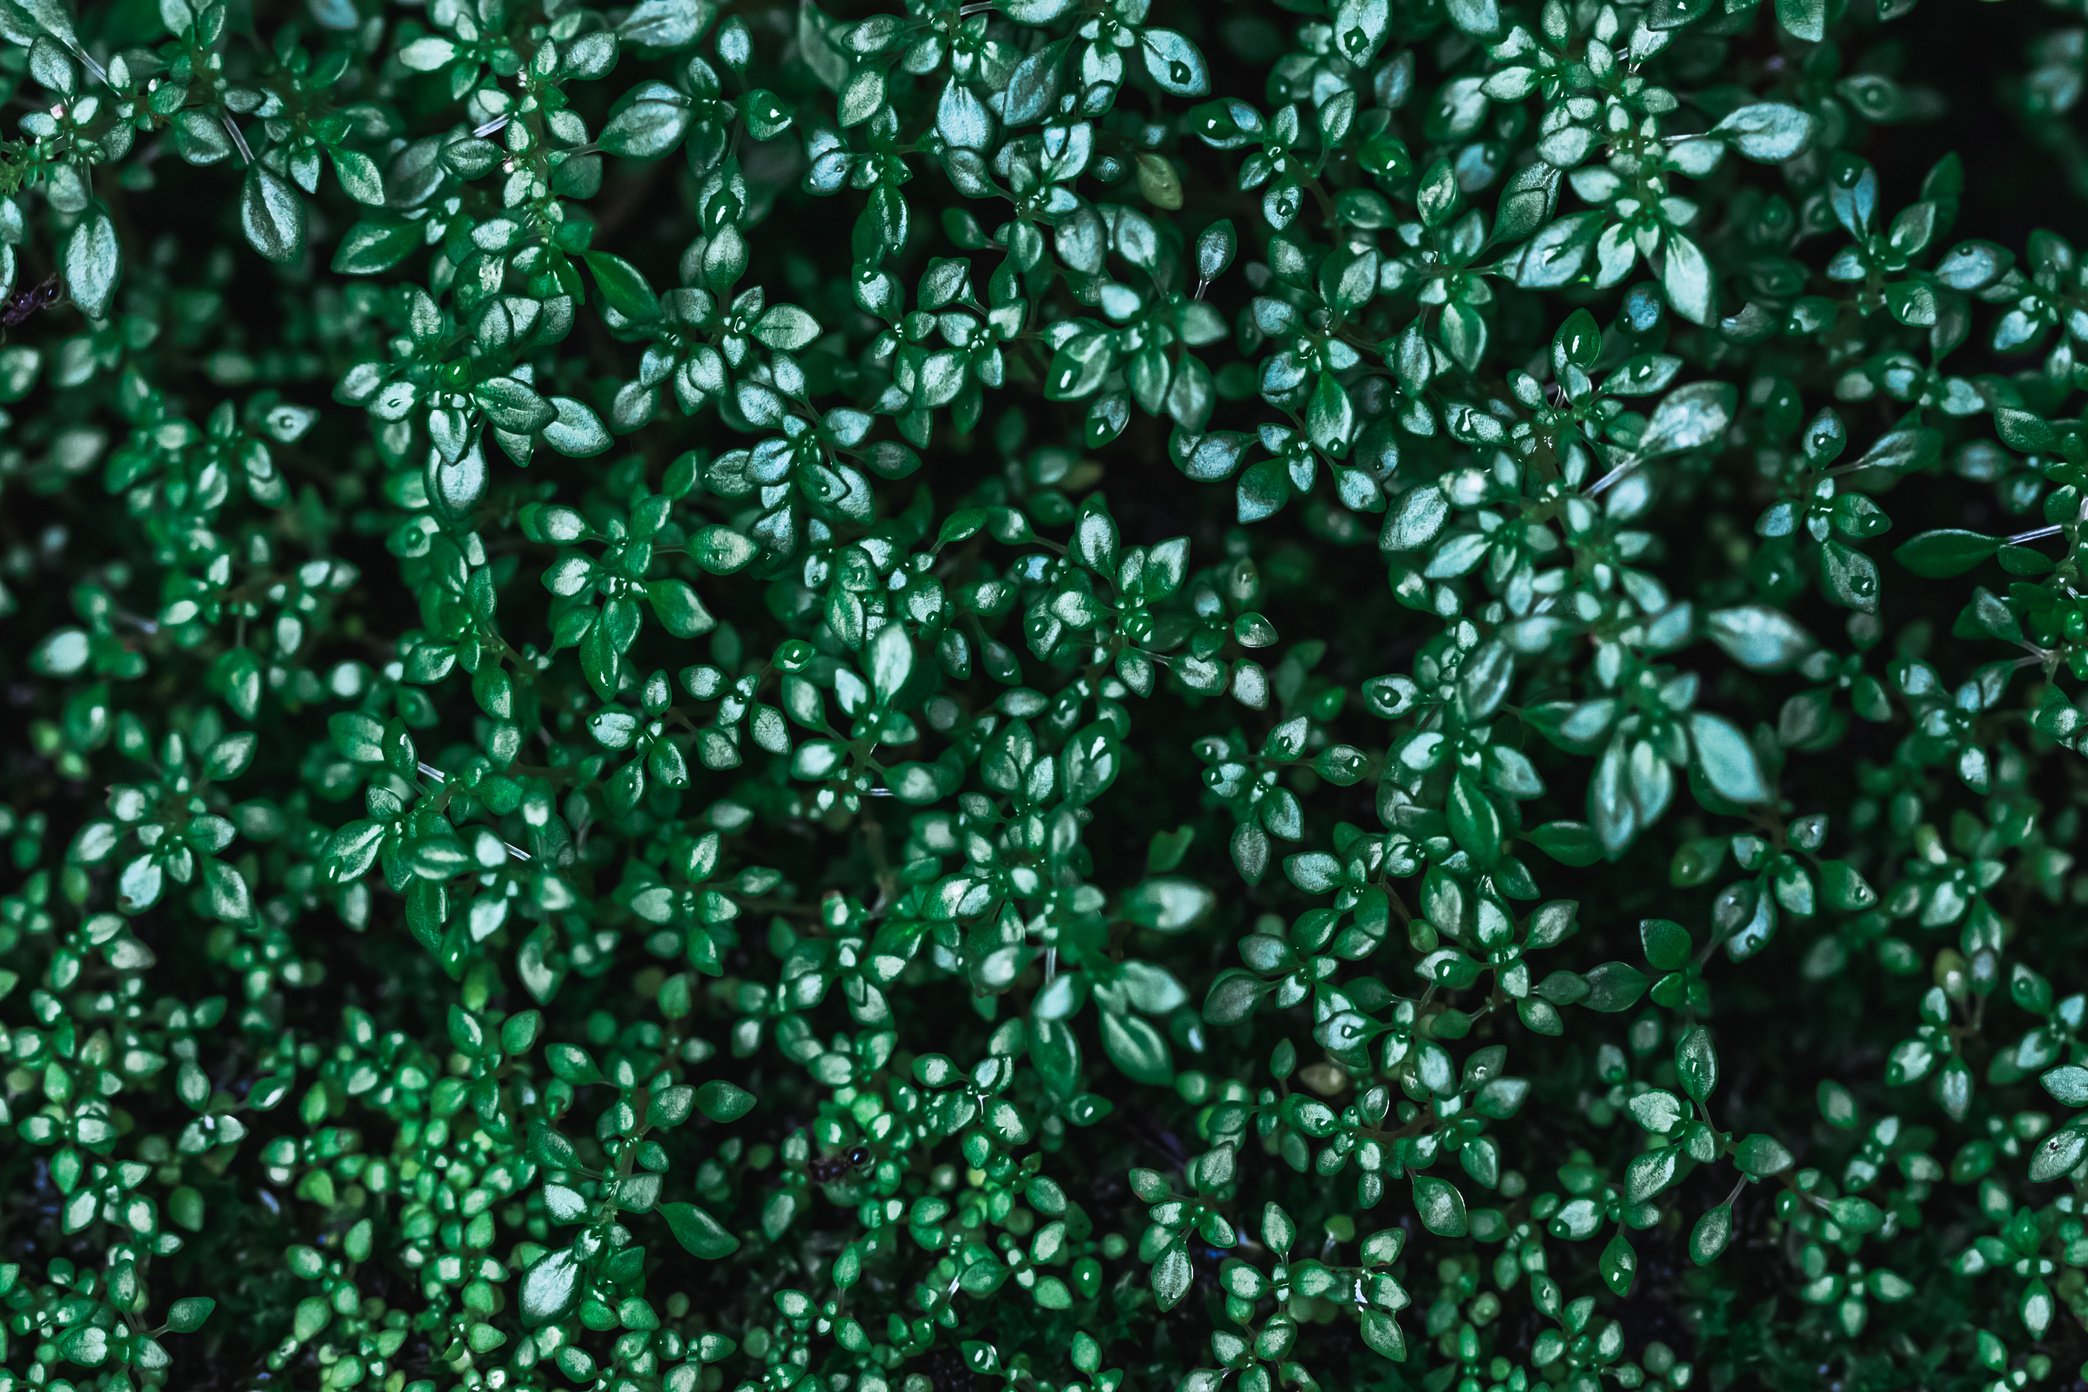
[891, 662]
[1416, 519]
[513, 405]
[1760, 637]
[93, 262]
[1649, 1173]
[786, 327]
[1768, 131]
[1233, 997]
[1850, 577]
[663, 24]
[273, 215]
[647, 124]
[1170, 904]
[1214, 249]
[1527, 204]
[961, 118]
[862, 98]
[1726, 759]
[1803, 19]
[2059, 1153]
[428, 53]
[1359, 29]
[2068, 1084]
[1033, 87]
[1688, 418]
[374, 245]
[575, 430]
[1686, 277]
[1479, 18]
[1174, 62]
[22, 21]
[86, 1345]
[721, 550]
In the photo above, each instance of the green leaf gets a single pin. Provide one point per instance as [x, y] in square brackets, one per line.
[1696, 1062]
[623, 287]
[550, 1287]
[1614, 987]
[1760, 1156]
[1708, 1238]
[1649, 1173]
[699, 1234]
[679, 611]
[721, 1101]
[1619, 1265]
[1381, 1332]
[1171, 1275]
[721, 551]
[187, 1315]
[1479, 18]
[1440, 1206]
[359, 177]
[1666, 944]
[1946, 552]
[1138, 1048]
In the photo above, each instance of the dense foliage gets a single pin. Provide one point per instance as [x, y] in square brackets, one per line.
[1042, 695]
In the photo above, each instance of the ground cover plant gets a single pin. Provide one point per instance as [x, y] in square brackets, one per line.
[1042, 695]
